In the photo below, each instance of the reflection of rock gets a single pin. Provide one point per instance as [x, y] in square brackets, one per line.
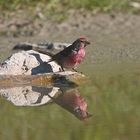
[69, 99]
[29, 96]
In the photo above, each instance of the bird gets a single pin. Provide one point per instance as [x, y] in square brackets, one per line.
[70, 57]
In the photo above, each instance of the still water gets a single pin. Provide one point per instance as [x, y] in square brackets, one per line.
[106, 108]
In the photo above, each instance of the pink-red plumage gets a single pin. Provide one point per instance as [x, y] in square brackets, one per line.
[74, 59]
[73, 55]
[75, 103]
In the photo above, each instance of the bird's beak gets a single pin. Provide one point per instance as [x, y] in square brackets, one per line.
[89, 115]
[87, 42]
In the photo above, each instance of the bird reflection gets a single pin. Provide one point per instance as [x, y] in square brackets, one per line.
[72, 101]
[67, 98]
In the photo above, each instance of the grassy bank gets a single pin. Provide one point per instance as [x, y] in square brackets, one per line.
[99, 5]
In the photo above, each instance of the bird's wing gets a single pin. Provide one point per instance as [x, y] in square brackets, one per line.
[64, 53]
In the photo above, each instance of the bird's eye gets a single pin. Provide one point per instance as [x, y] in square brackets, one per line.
[76, 49]
[82, 41]
[77, 110]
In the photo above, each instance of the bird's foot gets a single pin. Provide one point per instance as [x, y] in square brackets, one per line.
[76, 70]
[61, 69]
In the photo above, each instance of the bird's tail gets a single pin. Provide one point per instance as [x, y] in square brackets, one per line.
[35, 47]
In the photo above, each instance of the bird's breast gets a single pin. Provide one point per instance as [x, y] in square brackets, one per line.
[74, 59]
[79, 56]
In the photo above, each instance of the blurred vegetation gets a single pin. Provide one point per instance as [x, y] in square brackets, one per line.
[57, 10]
[101, 5]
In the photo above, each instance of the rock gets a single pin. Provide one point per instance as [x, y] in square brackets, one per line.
[31, 67]
[28, 63]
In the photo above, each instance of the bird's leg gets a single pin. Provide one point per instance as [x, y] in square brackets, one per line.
[74, 69]
[61, 69]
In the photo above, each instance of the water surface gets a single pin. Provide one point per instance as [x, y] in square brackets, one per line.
[112, 95]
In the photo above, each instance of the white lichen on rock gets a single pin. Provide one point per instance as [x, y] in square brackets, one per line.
[29, 63]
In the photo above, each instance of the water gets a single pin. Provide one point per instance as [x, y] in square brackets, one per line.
[112, 96]
[113, 101]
